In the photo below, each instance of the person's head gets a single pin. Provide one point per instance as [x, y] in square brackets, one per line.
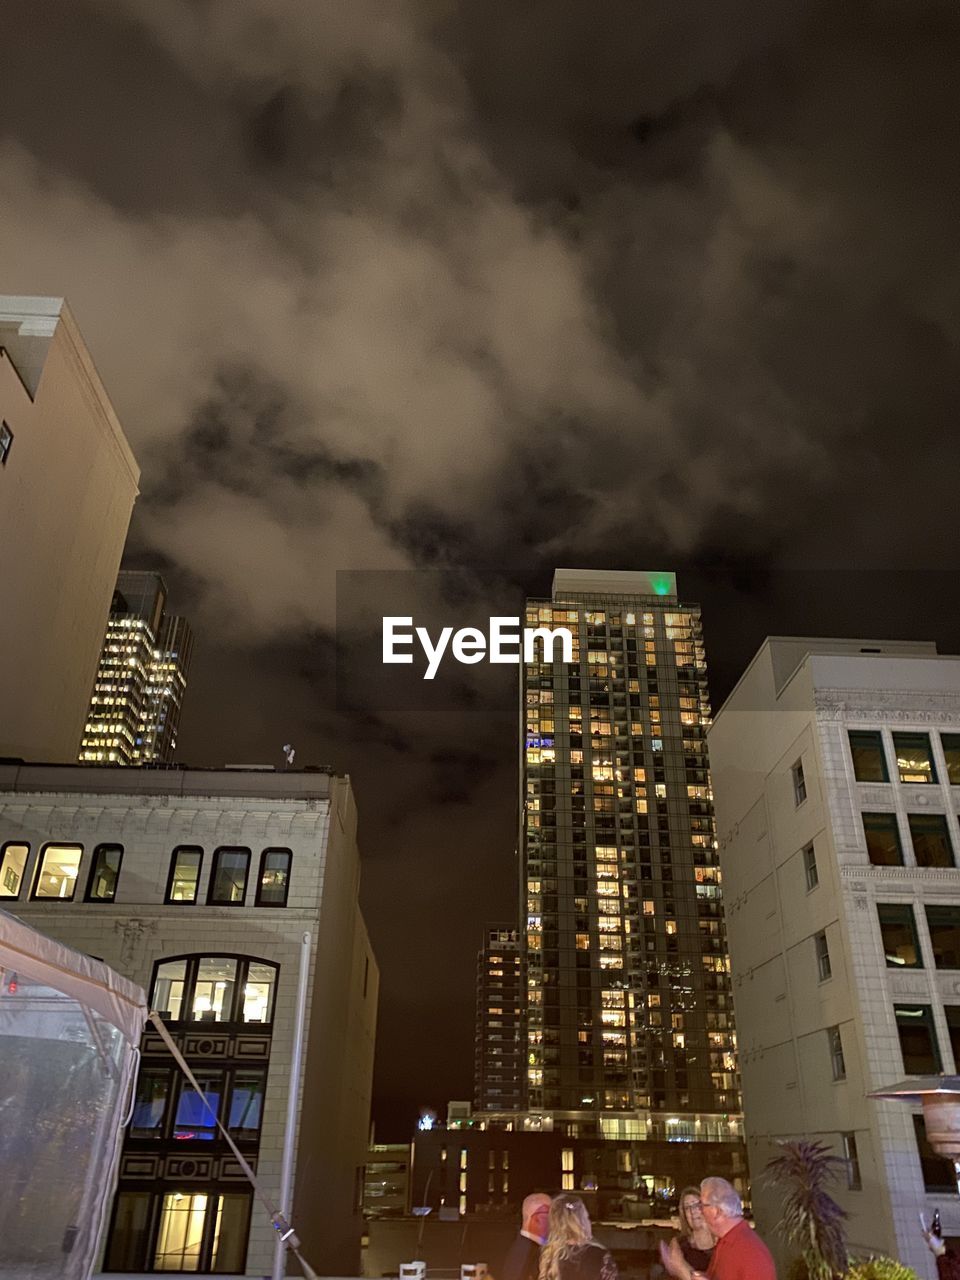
[690, 1211]
[722, 1208]
[536, 1215]
[569, 1221]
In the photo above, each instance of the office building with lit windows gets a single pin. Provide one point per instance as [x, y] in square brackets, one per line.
[68, 482]
[498, 1071]
[629, 1019]
[214, 890]
[836, 766]
[134, 714]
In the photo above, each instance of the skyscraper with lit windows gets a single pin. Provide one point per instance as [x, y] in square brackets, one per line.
[498, 1064]
[629, 1022]
[134, 714]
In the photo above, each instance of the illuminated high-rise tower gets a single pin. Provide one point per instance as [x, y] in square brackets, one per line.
[134, 714]
[498, 1063]
[628, 1008]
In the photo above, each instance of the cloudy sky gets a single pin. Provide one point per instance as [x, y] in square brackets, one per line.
[445, 294]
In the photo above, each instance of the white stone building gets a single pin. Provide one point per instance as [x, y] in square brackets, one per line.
[199, 886]
[836, 774]
[67, 486]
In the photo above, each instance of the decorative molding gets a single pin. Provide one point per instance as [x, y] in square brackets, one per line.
[886, 705]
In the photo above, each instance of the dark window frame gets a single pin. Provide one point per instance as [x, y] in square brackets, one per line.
[838, 1063]
[24, 879]
[824, 963]
[935, 909]
[905, 909]
[169, 901]
[244, 961]
[38, 871]
[943, 829]
[876, 742]
[258, 900]
[811, 871]
[97, 850]
[954, 746]
[926, 1020]
[852, 1158]
[214, 866]
[6, 441]
[892, 824]
[155, 1196]
[799, 782]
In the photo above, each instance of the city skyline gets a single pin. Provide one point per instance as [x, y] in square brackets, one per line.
[447, 290]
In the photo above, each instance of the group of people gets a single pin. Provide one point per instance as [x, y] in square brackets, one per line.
[714, 1243]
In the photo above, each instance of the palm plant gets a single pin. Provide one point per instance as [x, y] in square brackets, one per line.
[812, 1221]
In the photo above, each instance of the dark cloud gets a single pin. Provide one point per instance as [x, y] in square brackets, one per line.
[399, 287]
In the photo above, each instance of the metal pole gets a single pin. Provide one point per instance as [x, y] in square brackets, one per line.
[293, 1094]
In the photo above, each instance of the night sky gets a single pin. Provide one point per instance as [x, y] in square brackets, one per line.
[401, 305]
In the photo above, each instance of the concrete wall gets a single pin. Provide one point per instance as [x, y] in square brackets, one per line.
[66, 496]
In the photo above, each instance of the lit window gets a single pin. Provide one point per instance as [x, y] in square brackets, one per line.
[13, 864]
[105, 872]
[274, 883]
[869, 760]
[196, 1115]
[150, 1106]
[57, 871]
[168, 989]
[184, 874]
[213, 989]
[914, 758]
[228, 879]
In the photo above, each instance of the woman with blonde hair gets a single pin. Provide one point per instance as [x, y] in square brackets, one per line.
[696, 1240]
[571, 1253]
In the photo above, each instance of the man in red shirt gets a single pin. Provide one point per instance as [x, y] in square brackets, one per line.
[739, 1253]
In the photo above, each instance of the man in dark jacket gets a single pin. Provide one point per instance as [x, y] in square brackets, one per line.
[523, 1257]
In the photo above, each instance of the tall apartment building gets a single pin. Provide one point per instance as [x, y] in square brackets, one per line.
[628, 1008]
[214, 890]
[134, 714]
[68, 482]
[498, 1067]
[836, 765]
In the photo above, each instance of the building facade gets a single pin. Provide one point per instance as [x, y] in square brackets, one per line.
[210, 889]
[134, 713]
[629, 1018]
[68, 482]
[836, 765]
[485, 1164]
[498, 1069]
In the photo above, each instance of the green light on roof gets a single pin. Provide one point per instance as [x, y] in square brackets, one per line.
[661, 586]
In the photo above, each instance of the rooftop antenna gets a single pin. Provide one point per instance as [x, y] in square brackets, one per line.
[288, 753]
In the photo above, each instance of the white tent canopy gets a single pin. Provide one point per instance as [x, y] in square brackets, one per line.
[69, 1031]
[90, 982]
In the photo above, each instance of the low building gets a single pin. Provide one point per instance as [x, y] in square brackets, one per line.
[210, 889]
[626, 1169]
[836, 772]
[386, 1181]
[68, 482]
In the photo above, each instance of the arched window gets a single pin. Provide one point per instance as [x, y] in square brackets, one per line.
[215, 989]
